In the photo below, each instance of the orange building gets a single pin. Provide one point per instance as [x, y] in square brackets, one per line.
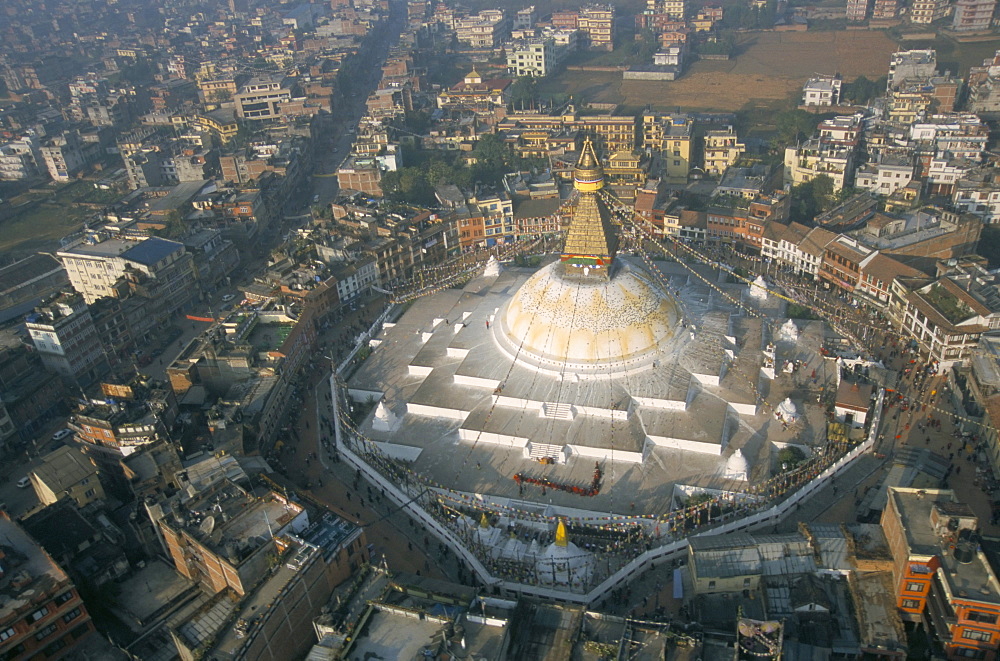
[942, 577]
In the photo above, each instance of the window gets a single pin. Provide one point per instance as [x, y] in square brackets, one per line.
[8, 633]
[46, 632]
[979, 616]
[37, 615]
[711, 584]
[72, 615]
[972, 634]
[80, 631]
[911, 603]
[914, 587]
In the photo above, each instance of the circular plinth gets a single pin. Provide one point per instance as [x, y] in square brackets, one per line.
[565, 320]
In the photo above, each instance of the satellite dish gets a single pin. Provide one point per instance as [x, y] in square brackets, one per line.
[208, 525]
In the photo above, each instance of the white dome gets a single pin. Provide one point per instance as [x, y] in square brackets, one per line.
[758, 289]
[789, 412]
[737, 467]
[561, 318]
[564, 565]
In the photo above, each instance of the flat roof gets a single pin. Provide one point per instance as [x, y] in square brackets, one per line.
[152, 250]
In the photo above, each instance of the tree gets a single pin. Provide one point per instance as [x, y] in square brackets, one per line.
[794, 125]
[790, 457]
[493, 159]
[862, 90]
[811, 198]
[523, 92]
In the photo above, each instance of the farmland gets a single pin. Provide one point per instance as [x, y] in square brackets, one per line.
[769, 68]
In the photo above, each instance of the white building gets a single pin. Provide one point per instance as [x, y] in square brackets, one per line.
[20, 158]
[886, 176]
[795, 247]
[357, 279]
[66, 339]
[813, 158]
[980, 198]
[822, 91]
[532, 57]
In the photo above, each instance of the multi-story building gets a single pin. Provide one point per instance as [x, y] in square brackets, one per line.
[475, 94]
[672, 137]
[973, 15]
[223, 536]
[885, 10]
[20, 158]
[928, 11]
[796, 246]
[721, 149]
[65, 337]
[261, 98]
[857, 10]
[487, 29]
[815, 157]
[325, 555]
[979, 196]
[885, 176]
[532, 57]
[911, 64]
[841, 265]
[64, 155]
[67, 472]
[597, 22]
[942, 576]
[157, 269]
[45, 616]
[822, 90]
[945, 315]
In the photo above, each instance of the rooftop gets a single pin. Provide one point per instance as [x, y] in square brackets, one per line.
[970, 576]
[30, 575]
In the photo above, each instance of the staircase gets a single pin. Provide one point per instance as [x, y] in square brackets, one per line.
[557, 411]
[537, 451]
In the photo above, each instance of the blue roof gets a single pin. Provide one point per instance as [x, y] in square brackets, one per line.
[151, 251]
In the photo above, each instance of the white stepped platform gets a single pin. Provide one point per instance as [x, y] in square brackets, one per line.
[540, 450]
[558, 411]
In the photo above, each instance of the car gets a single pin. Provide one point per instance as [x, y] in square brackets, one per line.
[315, 199]
[228, 297]
[61, 434]
[24, 483]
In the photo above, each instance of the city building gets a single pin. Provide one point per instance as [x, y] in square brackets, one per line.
[157, 269]
[721, 149]
[928, 11]
[597, 22]
[815, 157]
[223, 536]
[262, 98]
[858, 10]
[973, 15]
[65, 337]
[45, 617]
[66, 472]
[823, 90]
[942, 576]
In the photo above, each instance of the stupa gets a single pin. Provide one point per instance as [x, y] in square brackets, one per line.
[507, 393]
[587, 312]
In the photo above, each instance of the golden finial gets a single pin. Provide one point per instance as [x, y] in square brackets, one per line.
[562, 538]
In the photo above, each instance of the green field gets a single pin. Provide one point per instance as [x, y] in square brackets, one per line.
[39, 220]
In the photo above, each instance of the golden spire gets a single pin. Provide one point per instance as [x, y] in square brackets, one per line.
[590, 239]
[588, 175]
[484, 522]
[562, 538]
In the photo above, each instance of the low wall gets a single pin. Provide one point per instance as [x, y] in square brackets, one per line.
[649, 75]
[673, 550]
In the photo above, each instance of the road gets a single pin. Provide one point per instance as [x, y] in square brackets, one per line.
[337, 147]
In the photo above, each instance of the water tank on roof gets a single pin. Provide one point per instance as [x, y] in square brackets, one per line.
[966, 547]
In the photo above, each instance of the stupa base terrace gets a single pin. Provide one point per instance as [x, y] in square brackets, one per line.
[459, 423]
